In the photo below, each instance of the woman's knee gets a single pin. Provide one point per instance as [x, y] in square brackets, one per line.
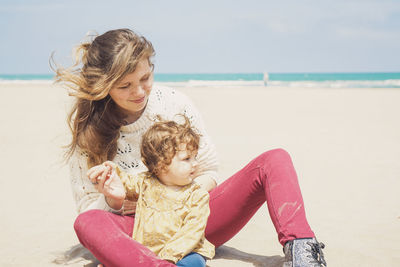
[275, 155]
[87, 219]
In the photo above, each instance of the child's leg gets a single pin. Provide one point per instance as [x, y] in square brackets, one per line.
[269, 178]
[109, 237]
[192, 260]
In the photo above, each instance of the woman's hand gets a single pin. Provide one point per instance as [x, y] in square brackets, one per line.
[206, 182]
[107, 182]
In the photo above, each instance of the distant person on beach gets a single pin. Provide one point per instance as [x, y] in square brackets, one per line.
[112, 84]
[172, 210]
[266, 78]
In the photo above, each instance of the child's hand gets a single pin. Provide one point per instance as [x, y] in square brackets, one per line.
[106, 181]
[98, 173]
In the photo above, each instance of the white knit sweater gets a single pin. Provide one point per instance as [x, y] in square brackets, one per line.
[163, 101]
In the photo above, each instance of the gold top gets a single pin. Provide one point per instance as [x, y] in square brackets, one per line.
[169, 221]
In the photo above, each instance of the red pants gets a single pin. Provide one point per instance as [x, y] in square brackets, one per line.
[268, 178]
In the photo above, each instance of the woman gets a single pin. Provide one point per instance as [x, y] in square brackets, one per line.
[112, 82]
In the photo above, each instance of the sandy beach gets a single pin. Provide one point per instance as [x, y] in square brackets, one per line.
[345, 144]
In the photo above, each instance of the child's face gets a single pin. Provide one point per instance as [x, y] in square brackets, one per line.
[181, 170]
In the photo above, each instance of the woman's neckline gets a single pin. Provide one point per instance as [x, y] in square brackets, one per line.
[136, 116]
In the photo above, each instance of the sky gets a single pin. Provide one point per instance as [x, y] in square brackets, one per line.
[211, 36]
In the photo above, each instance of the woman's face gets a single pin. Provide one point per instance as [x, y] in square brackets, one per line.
[132, 92]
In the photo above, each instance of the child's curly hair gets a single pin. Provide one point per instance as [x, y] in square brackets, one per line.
[161, 142]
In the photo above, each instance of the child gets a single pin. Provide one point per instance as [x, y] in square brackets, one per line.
[172, 210]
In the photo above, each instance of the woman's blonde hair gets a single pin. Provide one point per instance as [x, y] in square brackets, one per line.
[95, 119]
[161, 142]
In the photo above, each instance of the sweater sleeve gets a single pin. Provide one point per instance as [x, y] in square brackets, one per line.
[84, 193]
[207, 155]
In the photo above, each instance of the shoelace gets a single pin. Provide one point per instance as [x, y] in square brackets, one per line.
[317, 254]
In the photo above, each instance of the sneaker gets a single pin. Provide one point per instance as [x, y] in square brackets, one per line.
[304, 252]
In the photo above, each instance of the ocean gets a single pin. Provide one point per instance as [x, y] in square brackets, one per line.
[309, 80]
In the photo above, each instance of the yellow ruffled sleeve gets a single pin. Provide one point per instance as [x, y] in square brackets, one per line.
[131, 183]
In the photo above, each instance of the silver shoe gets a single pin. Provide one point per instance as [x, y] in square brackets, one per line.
[304, 252]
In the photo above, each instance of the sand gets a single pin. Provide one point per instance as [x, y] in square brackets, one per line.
[345, 144]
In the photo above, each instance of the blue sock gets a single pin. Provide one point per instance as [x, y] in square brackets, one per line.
[192, 260]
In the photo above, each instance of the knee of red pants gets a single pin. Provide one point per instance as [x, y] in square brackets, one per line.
[275, 155]
[276, 165]
[86, 219]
